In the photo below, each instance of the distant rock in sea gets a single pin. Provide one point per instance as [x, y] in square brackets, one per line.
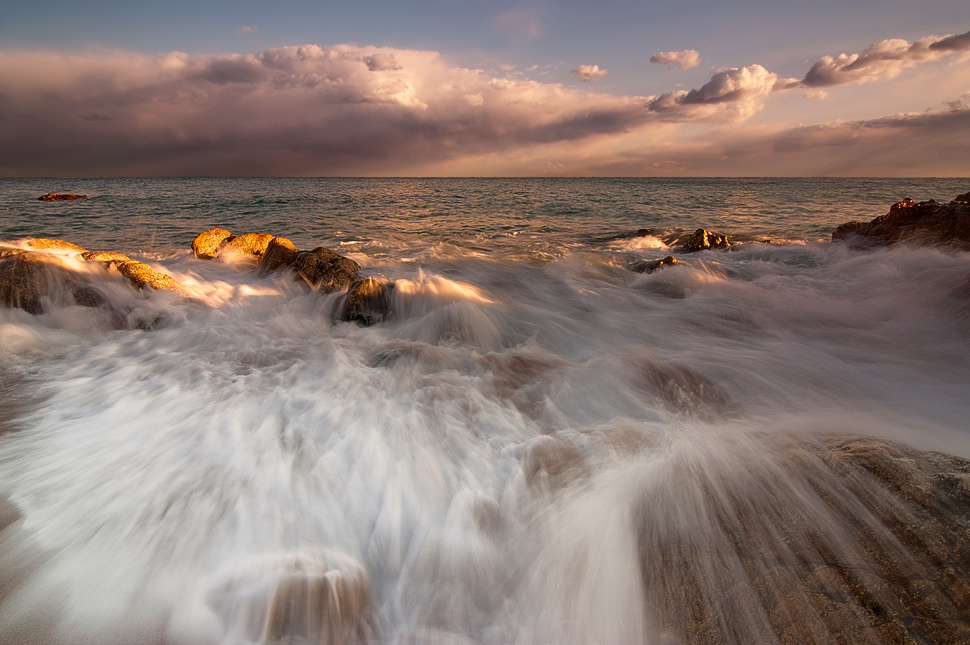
[650, 266]
[701, 240]
[60, 197]
[926, 223]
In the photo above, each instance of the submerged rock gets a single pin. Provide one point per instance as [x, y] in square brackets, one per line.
[650, 266]
[926, 223]
[280, 253]
[367, 302]
[60, 197]
[32, 281]
[702, 239]
[205, 246]
[876, 549]
[326, 270]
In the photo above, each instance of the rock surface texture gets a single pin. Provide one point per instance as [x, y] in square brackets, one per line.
[928, 223]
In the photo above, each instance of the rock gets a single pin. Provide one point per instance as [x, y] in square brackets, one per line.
[367, 302]
[206, 245]
[32, 280]
[142, 276]
[46, 243]
[853, 540]
[651, 266]
[926, 223]
[60, 197]
[325, 270]
[701, 240]
[280, 253]
[105, 256]
[250, 243]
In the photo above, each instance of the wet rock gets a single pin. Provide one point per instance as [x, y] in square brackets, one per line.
[702, 239]
[250, 243]
[60, 197]
[651, 266]
[206, 245]
[46, 243]
[33, 280]
[280, 253]
[105, 256]
[367, 302]
[142, 276]
[319, 607]
[876, 549]
[926, 223]
[325, 270]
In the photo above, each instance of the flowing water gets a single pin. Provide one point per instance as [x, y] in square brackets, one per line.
[497, 462]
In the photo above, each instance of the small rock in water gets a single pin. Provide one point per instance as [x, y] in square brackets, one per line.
[60, 197]
[140, 275]
[280, 253]
[31, 280]
[250, 243]
[206, 245]
[702, 239]
[650, 266]
[367, 302]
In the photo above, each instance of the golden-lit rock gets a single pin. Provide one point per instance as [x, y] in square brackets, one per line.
[206, 245]
[280, 253]
[46, 243]
[142, 276]
[60, 197]
[250, 243]
[105, 256]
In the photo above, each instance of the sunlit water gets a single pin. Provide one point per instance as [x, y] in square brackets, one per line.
[491, 465]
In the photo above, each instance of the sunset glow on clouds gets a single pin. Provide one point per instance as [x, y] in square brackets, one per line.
[352, 110]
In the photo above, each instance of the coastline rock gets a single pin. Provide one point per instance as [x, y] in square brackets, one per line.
[105, 256]
[325, 270]
[926, 223]
[701, 240]
[205, 246]
[32, 280]
[280, 253]
[60, 197]
[651, 266]
[142, 276]
[47, 243]
[250, 243]
[876, 551]
[367, 302]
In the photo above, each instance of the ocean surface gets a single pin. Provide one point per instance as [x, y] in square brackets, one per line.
[476, 468]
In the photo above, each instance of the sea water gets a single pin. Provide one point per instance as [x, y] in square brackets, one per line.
[483, 466]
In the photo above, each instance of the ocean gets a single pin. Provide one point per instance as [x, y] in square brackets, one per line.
[482, 466]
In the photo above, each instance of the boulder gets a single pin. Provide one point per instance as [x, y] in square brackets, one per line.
[280, 253]
[367, 302]
[206, 245]
[142, 276]
[250, 243]
[651, 266]
[852, 540]
[32, 280]
[46, 243]
[60, 197]
[325, 270]
[105, 256]
[926, 223]
[702, 239]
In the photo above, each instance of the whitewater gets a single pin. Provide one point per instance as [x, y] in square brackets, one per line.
[508, 457]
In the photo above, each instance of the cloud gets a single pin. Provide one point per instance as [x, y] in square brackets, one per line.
[885, 59]
[246, 30]
[817, 95]
[732, 94]
[589, 73]
[290, 110]
[685, 59]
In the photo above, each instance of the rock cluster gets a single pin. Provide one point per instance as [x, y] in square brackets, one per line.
[701, 240]
[920, 223]
[60, 197]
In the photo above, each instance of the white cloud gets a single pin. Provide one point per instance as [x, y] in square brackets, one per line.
[885, 59]
[589, 73]
[732, 94]
[817, 95]
[685, 59]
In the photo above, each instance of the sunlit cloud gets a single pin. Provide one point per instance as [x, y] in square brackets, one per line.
[732, 94]
[685, 59]
[589, 73]
[246, 30]
[883, 60]
[817, 95]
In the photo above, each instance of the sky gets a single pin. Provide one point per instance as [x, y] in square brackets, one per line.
[471, 88]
